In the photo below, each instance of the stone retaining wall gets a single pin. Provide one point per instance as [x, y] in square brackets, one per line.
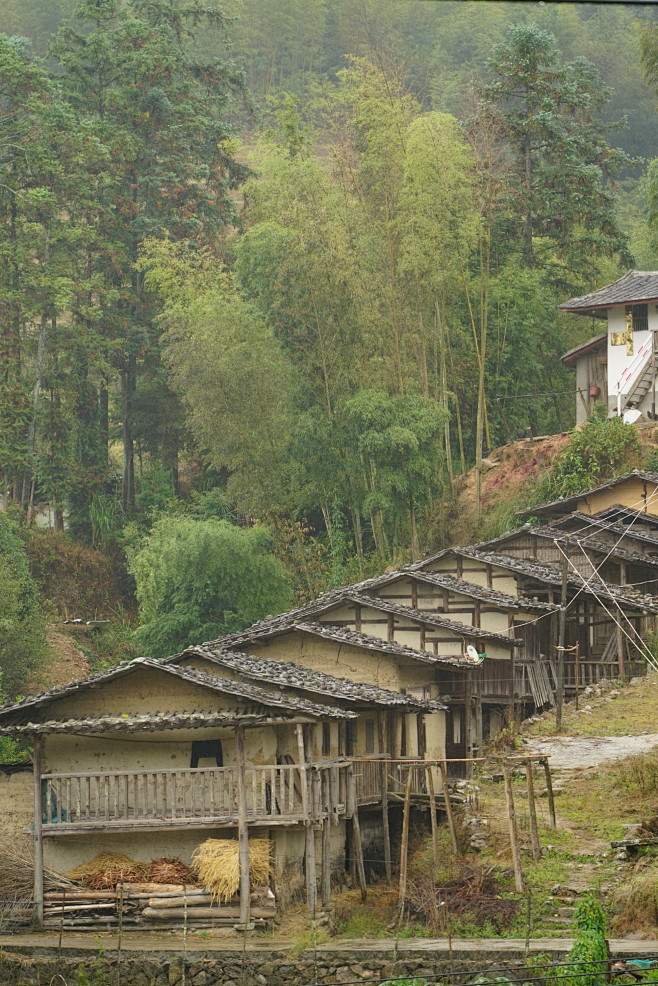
[236, 969]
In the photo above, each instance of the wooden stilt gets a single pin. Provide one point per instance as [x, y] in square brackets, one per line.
[357, 844]
[381, 729]
[549, 794]
[37, 760]
[404, 843]
[311, 872]
[449, 813]
[243, 830]
[435, 827]
[326, 863]
[513, 832]
[532, 810]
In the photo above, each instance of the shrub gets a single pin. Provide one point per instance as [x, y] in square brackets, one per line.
[200, 579]
[22, 627]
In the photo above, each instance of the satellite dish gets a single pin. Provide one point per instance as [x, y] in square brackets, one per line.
[472, 654]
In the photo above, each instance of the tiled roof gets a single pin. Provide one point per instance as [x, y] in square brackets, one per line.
[634, 286]
[588, 542]
[293, 676]
[432, 618]
[619, 514]
[552, 576]
[18, 712]
[596, 342]
[567, 501]
[149, 722]
[480, 592]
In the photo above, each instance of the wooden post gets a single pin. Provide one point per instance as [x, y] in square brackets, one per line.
[326, 863]
[311, 873]
[356, 838]
[549, 794]
[243, 830]
[532, 809]
[577, 650]
[559, 699]
[381, 730]
[449, 814]
[435, 828]
[468, 722]
[37, 759]
[513, 833]
[404, 843]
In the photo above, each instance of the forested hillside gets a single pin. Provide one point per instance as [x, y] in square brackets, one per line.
[274, 272]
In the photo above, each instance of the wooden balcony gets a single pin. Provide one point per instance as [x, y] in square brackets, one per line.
[277, 794]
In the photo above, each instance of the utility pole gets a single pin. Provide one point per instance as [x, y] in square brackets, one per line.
[561, 630]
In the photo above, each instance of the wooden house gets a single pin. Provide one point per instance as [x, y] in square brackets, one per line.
[619, 366]
[162, 755]
[427, 612]
[609, 622]
[614, 556]
[637, 491]
[619, 531]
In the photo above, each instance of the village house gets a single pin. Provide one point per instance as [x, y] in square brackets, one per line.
[618, 366]
[608, 622]
[617, 532]
[160, 756]
[620, 564]
[636, 491]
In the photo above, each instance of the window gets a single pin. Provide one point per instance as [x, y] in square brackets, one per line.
[206, 750]
[639, 317]
[370, 736]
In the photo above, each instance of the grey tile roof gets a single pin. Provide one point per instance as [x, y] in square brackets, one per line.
[303, 679]
[481, 592]
[634, 286]
[264, 698]
[567, 501]
[552, 576]
[147, 722]
[588, 542]
[619, 513]
[432, 618]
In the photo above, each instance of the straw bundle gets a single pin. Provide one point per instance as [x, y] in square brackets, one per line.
[216, 862]
[107, 869]
[168, 869]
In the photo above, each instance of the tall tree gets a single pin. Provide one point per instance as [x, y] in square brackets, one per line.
[560, 184]
[129, 67]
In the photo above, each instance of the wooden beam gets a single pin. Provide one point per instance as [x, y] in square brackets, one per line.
[433, 822]
[311, 871]
[549, 793]
[37, 762]
[381, 730]
[449, 814]
[532, 810]
[326, 863]
[513, 831]
[404, 844]
[243, 829]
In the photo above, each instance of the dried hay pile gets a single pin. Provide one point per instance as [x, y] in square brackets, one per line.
[106, 869]
[17, 876]
[216, 863]
[635, 901]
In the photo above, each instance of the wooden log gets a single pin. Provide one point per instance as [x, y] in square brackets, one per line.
[180, 900]
[154, 889]
[68, 908]
[404, 844]
[205, 912]
[513, 832]
[549, 793]
[532, 810]
[73, 895]
[435, 827]
[326, 863]
[243, 829]
[37, 752]
[449, 814]
[383, 785]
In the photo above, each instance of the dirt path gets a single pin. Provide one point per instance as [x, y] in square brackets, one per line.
[575, 752]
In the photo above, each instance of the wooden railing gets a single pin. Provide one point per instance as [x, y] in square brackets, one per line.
[276, 794]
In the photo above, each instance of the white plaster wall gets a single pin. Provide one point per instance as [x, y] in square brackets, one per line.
[17, 810]
[618, 359]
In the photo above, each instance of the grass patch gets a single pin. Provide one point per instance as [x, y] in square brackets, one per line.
[631, 713]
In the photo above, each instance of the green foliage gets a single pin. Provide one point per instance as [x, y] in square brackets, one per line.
[200, 579]
[603, 448]
[22, 628]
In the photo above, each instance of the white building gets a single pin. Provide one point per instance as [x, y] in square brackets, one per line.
[619, 366]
